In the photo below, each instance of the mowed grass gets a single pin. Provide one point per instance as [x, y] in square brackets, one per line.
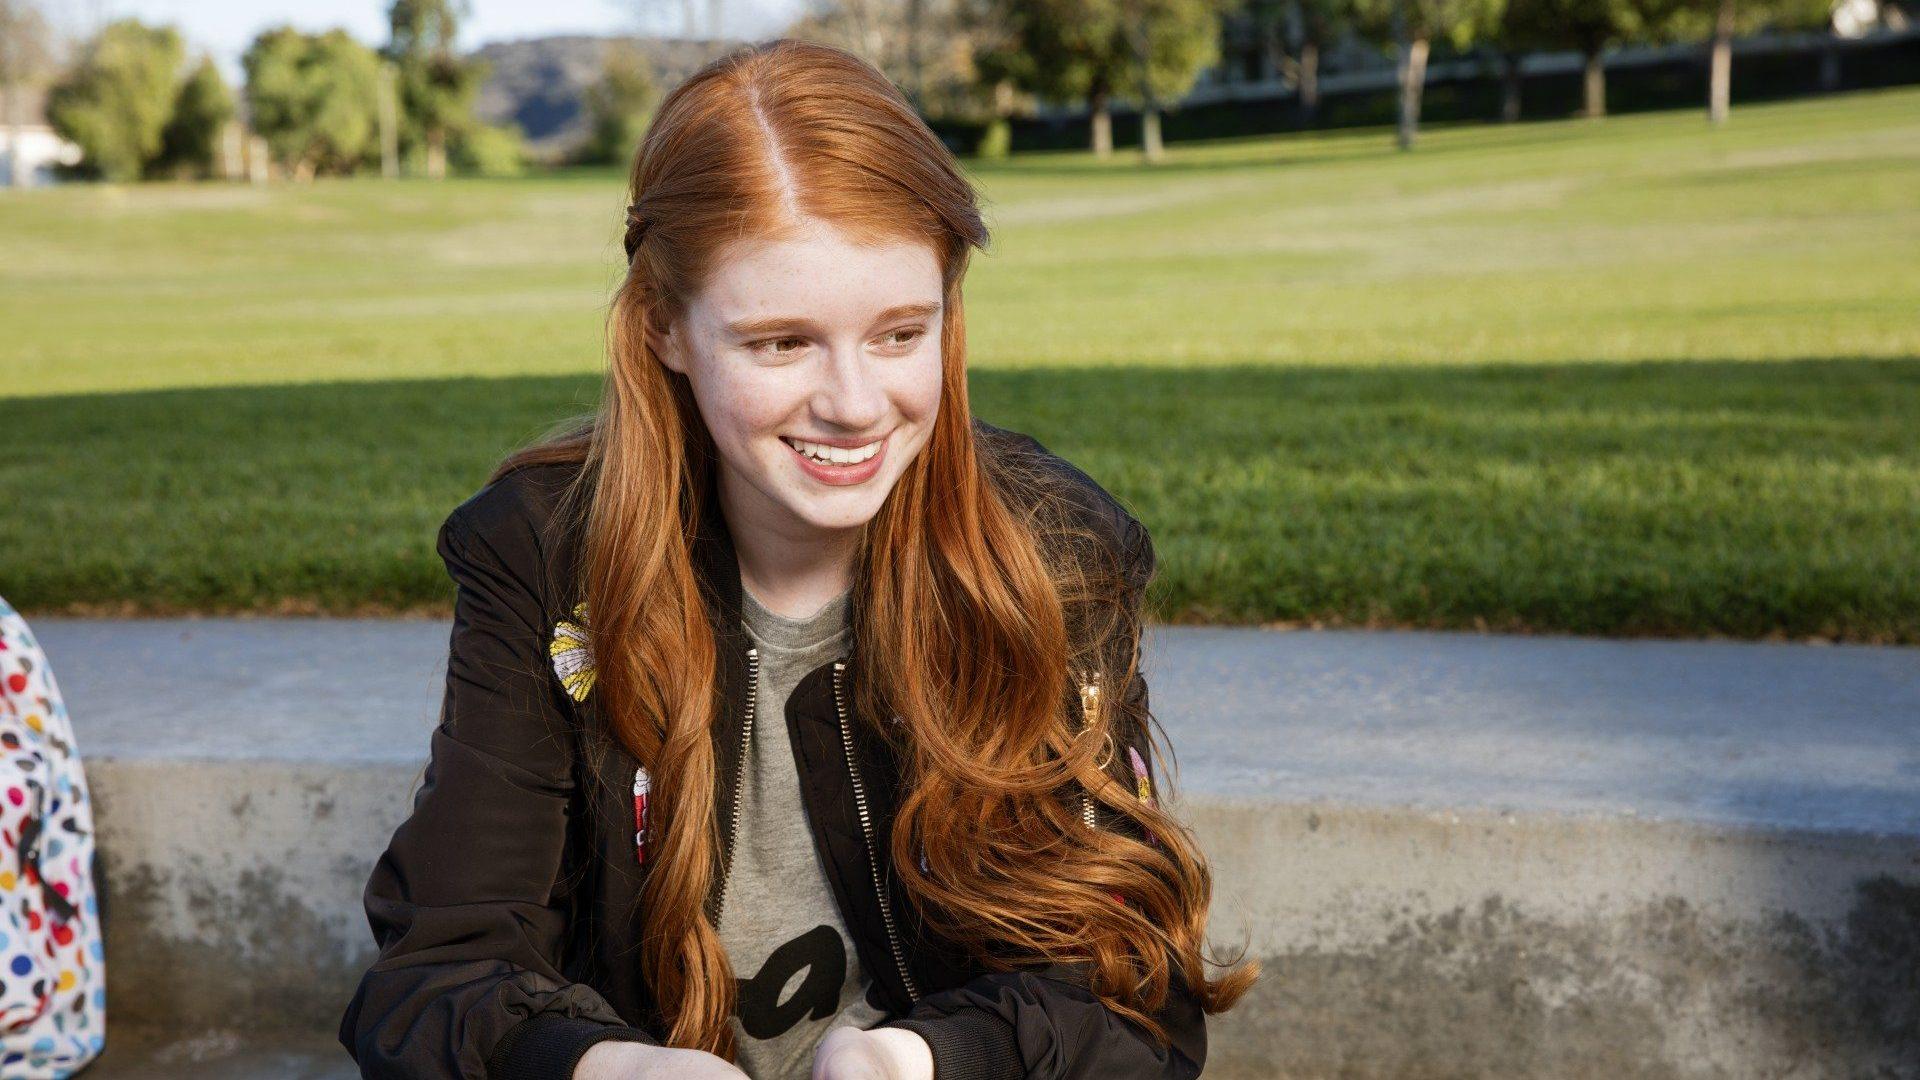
[1628, 377]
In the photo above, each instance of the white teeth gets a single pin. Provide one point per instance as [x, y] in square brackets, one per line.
[834, 455]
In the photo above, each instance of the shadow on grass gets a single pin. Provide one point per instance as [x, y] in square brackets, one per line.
[1686, 498]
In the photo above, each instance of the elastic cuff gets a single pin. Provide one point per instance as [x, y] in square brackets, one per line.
[547, 1046]
[971, 1044]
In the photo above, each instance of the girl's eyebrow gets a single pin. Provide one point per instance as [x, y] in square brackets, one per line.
[779, 323]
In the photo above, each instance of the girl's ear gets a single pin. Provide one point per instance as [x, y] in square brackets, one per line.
[666, 346]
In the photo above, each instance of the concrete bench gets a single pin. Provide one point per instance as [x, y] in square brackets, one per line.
[1456, 855]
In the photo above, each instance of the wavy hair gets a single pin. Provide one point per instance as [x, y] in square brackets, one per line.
[968, 546]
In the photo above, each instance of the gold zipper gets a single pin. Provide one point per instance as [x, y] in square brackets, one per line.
[739, 783]
[866, 831]
[1089, 713]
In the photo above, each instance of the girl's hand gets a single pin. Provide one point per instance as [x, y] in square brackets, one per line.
[848, 1053]
[641, 1061]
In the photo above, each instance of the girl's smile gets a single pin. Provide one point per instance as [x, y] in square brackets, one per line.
[836, 463]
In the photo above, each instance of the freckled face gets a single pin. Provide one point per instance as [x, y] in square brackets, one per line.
[815, 362]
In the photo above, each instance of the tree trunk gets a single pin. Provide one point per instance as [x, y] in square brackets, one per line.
[232, 151]
[1102, 125]
[1413, 76]
[9, 115]
[389, 123]
[1150, 146]
[259, 166]
[1509, 87]
[1594, 85]
[1829, 67]
[1309, 83]
[1720, 76]
[436, 153]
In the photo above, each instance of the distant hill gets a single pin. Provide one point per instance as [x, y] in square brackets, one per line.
[538, 83]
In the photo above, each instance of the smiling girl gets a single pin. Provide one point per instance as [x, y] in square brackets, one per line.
[794, 723]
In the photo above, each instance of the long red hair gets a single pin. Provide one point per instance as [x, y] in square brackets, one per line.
[967, 547]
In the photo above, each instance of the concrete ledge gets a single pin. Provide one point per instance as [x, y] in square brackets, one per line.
[1408, 943]
[1454, 855]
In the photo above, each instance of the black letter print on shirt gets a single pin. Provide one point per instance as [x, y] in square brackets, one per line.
[824, 957]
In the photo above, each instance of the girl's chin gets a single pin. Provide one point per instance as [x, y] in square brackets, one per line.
[834, 510]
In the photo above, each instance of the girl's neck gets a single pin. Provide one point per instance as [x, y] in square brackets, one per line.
[791, 568]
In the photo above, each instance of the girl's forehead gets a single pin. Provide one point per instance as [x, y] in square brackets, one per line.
[817, 273]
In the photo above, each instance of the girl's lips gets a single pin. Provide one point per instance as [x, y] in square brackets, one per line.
[841, 475]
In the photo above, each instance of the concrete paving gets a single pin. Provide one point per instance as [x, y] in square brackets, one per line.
[1455, 855]
[1724, 732]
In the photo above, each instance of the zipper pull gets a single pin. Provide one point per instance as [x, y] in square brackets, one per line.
[1090, 701]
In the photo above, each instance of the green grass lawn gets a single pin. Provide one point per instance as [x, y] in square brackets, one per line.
[1627, 377]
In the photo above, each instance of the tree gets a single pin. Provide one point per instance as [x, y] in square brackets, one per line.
[1068, 50]
[618, 106]
[1001, 67]
[1550, 25]
[1413, 25]
[1299, 31]
[314, 98]
[437, 86]
[1063, 50]
[1313, 26]
[1720, 21]
[115, 102]
[202, 107]
[26, 61]
[1172, 41]
[922, 46]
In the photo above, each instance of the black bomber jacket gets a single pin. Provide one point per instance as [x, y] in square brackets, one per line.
[507, 915]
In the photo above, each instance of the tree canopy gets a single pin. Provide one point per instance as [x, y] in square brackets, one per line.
[114, 103]
[314, 98]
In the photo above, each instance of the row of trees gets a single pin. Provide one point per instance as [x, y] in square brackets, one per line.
[1511, 29]
[1147, 52]
[325, 103]
[319, 103]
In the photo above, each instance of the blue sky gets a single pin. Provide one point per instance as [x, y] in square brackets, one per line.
[224, 27]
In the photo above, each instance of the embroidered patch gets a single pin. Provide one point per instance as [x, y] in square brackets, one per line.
[573, 654]
[1141, 786]
[642, 787]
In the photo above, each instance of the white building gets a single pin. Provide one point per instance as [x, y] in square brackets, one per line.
[29, 147]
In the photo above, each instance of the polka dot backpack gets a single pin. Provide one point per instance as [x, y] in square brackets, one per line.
[52, 965]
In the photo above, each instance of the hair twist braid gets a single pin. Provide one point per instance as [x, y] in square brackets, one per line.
[636, 230]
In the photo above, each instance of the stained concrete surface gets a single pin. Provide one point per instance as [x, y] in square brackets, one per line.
[1455, 855]
[1729, 732]
[220, 1055]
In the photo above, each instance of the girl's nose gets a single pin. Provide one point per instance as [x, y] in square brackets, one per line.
[850, 395]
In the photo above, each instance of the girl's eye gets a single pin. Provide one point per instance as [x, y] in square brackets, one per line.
[764, 345]
[913, 334]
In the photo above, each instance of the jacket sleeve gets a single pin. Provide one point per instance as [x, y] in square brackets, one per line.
[1045, 1023]
[467, 904]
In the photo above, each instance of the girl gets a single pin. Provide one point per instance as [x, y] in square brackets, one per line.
[794, 723]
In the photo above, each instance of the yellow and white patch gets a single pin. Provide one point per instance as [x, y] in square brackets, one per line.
[572, 653]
